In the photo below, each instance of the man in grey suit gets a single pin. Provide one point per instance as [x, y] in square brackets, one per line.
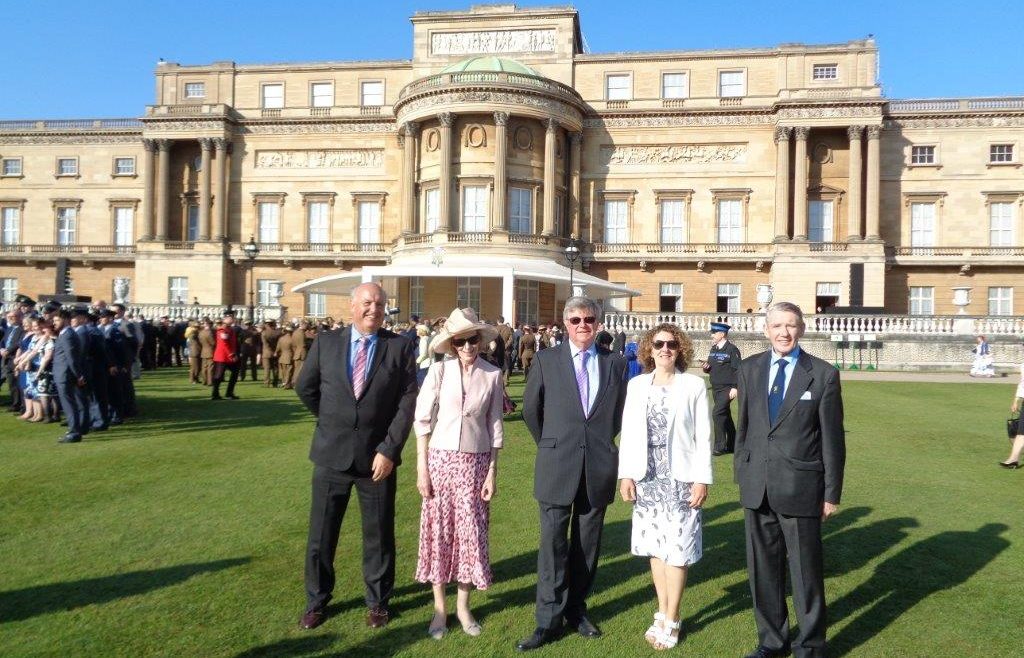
[10, 341]
[69, 375]
[790, 455]
[573, 408]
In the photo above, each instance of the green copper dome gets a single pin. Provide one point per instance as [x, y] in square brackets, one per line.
[490, 64]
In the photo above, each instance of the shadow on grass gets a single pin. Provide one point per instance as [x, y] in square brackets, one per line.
[20, 604]
[302, 646]
[933, 564]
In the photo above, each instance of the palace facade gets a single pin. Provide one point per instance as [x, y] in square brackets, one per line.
[682, 181]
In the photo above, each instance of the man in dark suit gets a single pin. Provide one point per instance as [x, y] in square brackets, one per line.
[69, 375]
[722, 366]
[360, 383]
[573, 408]
[10, 341]
[790, 456]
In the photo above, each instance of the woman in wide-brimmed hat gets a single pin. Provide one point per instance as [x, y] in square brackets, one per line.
[458, 434]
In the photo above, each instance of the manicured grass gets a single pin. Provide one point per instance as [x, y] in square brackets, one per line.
[182, 534]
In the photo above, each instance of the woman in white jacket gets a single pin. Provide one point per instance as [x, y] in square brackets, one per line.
[1013, 461]
[665, 469]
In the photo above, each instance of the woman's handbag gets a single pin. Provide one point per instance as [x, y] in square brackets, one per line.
[1014, 427]
[507, 405]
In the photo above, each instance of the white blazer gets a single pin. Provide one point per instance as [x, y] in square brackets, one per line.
[689, 436]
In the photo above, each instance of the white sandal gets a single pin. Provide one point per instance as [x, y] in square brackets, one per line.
[665, 639]
[654, 632]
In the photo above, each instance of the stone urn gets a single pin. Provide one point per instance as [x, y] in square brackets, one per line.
[121, 289]
[764, 296]
[961, 299]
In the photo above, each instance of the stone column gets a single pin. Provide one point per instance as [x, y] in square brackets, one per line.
[444, 205]
[205, 147]
[148, 172]
[163, 186]
[575, 148]
[499, 218]
[549, 176]
[219, 188]
[800, 184]
[408, 135]
[782, 135]
[853, 229]
[874, 181]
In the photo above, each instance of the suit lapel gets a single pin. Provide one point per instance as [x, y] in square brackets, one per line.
[378, 354]
[570, 373]
[798, 383]
[345, 345]
[759, 386]
[603, 369]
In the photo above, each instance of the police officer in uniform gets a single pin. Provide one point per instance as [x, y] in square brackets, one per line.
[722, 366]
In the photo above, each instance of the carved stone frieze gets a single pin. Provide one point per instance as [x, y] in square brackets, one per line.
[185, 125]
[1016, 121]
[489, 42]
[447, 99]
[673, 153]
[317, 128]
[829, 112]
[680, 120]
[320, 159]
[32, 140]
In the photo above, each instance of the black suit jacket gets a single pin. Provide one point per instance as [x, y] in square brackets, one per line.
[567, 441]
[798, 462]
[15, 333]
[348, 431]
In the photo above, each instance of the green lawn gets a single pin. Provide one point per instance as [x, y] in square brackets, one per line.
[182, 534]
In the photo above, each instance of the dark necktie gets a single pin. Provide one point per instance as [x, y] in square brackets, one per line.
[777, 392]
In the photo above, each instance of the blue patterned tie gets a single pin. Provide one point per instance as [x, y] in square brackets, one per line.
[777, 392]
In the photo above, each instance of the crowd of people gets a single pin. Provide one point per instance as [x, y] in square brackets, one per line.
[368, 386]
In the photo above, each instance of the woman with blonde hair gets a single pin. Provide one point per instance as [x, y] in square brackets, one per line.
[665, 469]
[459, 432]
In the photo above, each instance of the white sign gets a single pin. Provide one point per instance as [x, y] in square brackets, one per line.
[836, 338]
[491, 42]
[870, 336]
[853, 338]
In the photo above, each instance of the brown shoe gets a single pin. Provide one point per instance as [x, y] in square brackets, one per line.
[377, 617]
[311, 619]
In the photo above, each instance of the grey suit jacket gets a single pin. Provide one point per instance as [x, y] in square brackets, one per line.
[567, 441]
[15, 333]
[798, 462]
[68, 363]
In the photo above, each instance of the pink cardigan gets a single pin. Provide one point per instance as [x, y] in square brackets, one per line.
[470, 425]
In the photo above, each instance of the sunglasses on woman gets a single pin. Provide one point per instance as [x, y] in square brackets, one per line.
[671, 344]
[590, 319]
[459, 342]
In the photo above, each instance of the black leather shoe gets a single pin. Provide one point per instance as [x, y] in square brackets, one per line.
[586, 628]
[765, 652]
[311, 619]
[70, 438]
[717, 453]
[540, 637]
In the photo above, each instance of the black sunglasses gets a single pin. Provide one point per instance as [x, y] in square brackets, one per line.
[590, 319]
[671, 344]
[472, 340]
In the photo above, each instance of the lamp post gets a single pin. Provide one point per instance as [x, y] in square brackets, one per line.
[572, 254]
[252, 250]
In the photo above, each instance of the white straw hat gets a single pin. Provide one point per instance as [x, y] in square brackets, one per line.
[462, 322]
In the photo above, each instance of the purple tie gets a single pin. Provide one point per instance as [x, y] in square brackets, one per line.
[359, 369]
[583, 382]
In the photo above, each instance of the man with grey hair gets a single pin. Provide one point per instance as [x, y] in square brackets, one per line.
[789, 461]
[572, 406]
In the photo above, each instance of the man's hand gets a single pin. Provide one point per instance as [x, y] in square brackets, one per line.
[1015, 407]
[382, 467]
[828, 509]
[732, 393]
[81, 382]
[627, 489]
[698, 493]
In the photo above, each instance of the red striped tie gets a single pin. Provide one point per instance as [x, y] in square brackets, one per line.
[359, 369]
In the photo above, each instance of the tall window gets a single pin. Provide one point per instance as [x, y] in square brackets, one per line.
[67, 225]
[1000, 153]
[527, 302]
[8, 289]
[269, 221]
[319, 226]
[616, 221]
[177, 289]
[273, 96]
[371, 93]
[520, 210]
[922, 224]
[415, 295]
[922, 155]
[728, 299]
[1000, 301]
[826, 295]
[195, 90]
[369, 222]
[316, 304]
[467, 293]
[11, 167]
[192, 223]
[922, 300]
[474, 209]
[672, 229]
[1000, 222]
[730, 221]
[670, 298]
[674, 85]
[431, 209]
[819, 221]
[731, 84]
[618, 87]
[267, 291]
[124, 224]
[10, 225]
[323, 94]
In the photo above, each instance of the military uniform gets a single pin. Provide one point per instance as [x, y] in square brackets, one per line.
[298, 352]
[284, 359]
[207, 344]
[270, 336]
[723, 366]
